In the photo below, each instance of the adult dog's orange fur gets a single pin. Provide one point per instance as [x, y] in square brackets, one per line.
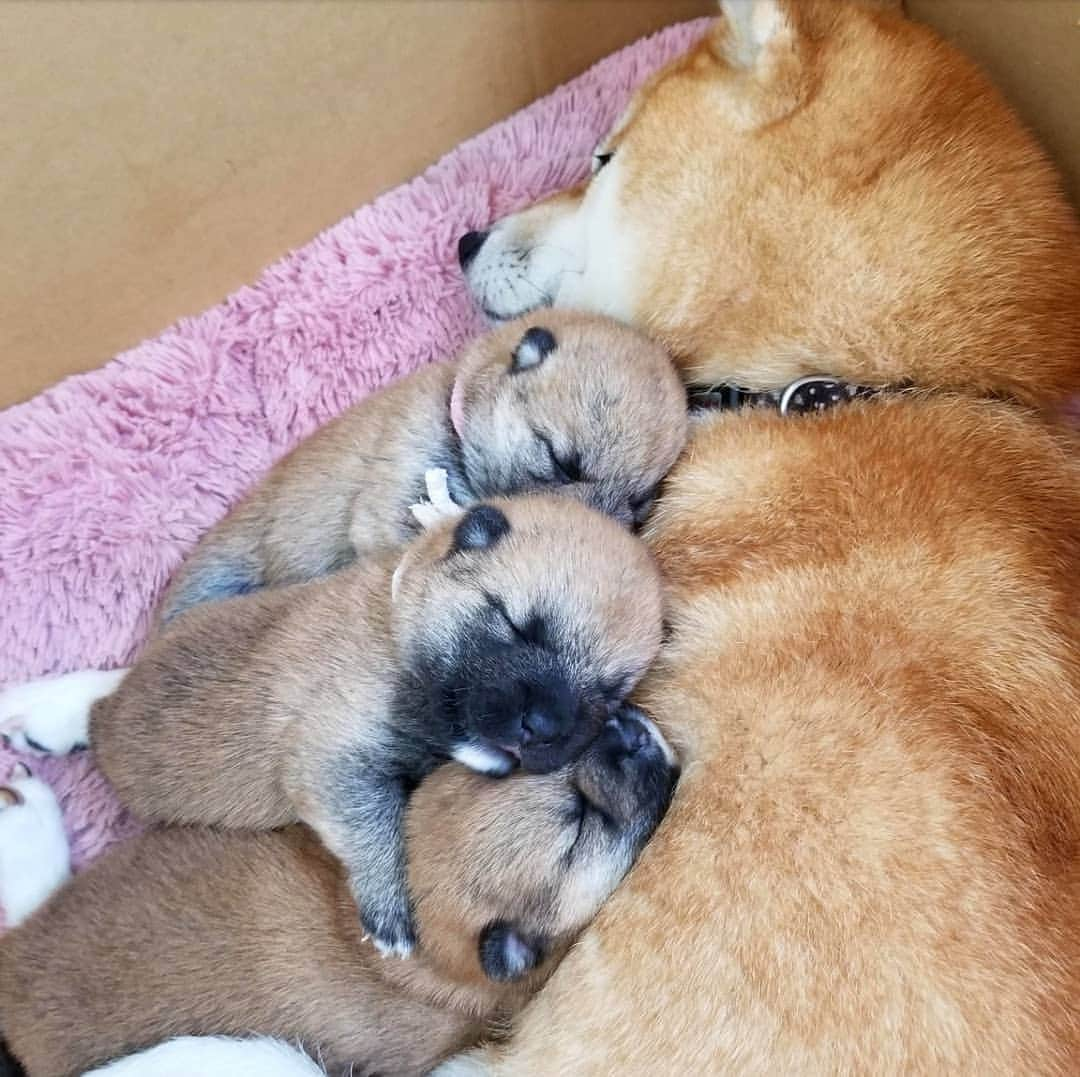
[873, 861]
[818, 187]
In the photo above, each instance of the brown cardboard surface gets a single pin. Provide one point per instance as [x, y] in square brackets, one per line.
[1032, 50]
[159, 154]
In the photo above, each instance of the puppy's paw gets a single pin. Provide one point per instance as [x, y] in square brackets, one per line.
[51, 716]
[35, 859]
[439, 505]
[389, 929]
[474, 1064]
[214, 1056]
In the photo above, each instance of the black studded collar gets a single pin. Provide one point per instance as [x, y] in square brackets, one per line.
[818, 392]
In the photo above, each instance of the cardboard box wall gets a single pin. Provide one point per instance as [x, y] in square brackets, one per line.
[158, 155]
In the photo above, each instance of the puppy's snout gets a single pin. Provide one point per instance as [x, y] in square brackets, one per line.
[549, 713]
[469, 247]
[541, 724]
[629, 734]
[630, 771]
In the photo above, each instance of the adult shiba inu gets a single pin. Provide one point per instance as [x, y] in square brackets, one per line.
[817, 187]
[873, 672]
[189, 931]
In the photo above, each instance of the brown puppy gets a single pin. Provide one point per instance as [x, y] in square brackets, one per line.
[504, 636]
[874, 671]
[565, 401]
[192, 931]
[816, 187]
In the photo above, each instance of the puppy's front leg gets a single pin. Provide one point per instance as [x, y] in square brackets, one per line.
[358, 812]
[373, 852]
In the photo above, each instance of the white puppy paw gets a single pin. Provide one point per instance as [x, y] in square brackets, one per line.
[214, 1056]
[391, 949]
[35, 858]
[472, 1064]
[439, 505]
[51, 716]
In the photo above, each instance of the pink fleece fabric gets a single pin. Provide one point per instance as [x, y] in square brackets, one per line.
[112, 476]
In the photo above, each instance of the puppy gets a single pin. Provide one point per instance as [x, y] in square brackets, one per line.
[503, 637]
[568, 402]
[198, 932]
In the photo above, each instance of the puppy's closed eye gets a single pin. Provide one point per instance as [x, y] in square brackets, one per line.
[565, 469]
[532, 630]
[508, 954]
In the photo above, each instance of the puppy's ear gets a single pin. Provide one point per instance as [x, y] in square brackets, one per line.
[507, 954]
[760, 43]
[535, 346]
[480, 528]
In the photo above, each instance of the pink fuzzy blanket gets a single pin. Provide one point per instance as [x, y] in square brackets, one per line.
[112, 476]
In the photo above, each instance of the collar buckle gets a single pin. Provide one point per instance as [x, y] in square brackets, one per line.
[814, 393]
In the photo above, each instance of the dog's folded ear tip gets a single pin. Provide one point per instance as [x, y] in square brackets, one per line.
[534, 347]
[480, 528]
[506, 953]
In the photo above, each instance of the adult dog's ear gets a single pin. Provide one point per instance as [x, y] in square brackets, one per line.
[507, 954]
[750, 27]
[760, 44]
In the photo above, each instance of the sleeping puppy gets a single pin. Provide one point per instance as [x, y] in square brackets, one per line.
[191, 931]
[501, 638]
[568, 402]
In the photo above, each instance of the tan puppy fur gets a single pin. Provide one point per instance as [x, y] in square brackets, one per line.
[200, 931]
[509, 635]
[816, 188]
[873, 681]
[562, 401]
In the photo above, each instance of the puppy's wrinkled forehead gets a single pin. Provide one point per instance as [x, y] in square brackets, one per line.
[542, 567]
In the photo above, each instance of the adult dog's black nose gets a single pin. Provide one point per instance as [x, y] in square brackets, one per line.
[469, 246]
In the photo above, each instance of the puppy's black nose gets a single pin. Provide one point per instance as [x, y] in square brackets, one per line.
[468, 247]
[630, 734]
[540, 724]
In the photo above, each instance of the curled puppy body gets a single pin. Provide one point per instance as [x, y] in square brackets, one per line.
[564, 401]
[510, 636]
[191, 931]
